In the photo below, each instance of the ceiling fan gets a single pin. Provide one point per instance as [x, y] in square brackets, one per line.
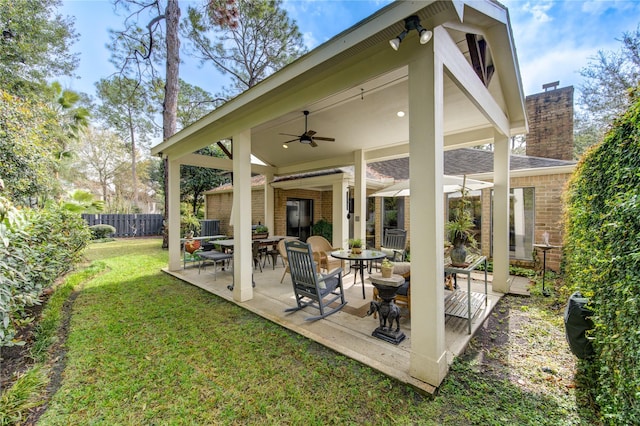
[308, 136]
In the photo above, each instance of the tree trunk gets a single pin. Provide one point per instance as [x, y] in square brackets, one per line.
[134, 160]
[170, 104]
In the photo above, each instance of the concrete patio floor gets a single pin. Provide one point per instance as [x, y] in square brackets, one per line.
[347, 331]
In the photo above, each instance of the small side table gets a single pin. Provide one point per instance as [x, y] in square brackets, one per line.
[387, 309]
[545, 248]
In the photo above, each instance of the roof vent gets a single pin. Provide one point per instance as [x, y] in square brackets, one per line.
[551, 86]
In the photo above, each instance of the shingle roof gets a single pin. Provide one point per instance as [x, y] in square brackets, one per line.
[465, 161]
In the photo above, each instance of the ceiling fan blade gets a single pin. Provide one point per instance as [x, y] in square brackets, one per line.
[320, 138]
[313, 143]
[289, 134]
[310, 133]
[292, 140]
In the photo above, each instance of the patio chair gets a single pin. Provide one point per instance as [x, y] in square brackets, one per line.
[256, 255]
[283, 254]
[395, 244]
[322, 249]
[311, 288]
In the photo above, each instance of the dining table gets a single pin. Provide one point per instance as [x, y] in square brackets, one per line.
[227, 245]
[359, 259]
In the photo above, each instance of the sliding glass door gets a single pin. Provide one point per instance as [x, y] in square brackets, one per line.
[299, 218]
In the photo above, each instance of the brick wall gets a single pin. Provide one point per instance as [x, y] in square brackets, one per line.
[321, 206]
[219, 207]
[550, 117]
[548, 205]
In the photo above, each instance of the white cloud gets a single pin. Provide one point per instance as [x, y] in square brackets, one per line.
[539, 10]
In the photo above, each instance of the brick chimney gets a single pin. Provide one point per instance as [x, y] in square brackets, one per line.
[550, 116]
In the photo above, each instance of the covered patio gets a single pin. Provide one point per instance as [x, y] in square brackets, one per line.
[348, 331]
[461, 87]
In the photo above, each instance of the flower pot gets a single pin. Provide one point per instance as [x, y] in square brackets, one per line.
[458, 255]
[191, 245]
[356, 250]
[386, 272]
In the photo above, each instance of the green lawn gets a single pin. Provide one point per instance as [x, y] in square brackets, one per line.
[146, 348]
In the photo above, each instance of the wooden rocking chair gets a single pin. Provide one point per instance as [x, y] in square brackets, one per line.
[310, 287]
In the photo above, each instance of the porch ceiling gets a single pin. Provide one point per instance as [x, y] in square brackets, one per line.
[365, 115]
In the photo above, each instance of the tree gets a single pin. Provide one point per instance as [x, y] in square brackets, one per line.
[264, 41]
[102, 157]
[126, 107]
[193, 102]
[34, 45]
[28, 130]
[73, 119]
[609, 77]
[135, 49]
[194, 181]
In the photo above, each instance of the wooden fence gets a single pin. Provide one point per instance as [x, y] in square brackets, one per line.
[128, 225]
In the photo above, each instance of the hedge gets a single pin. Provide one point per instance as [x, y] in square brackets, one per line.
[602, 259]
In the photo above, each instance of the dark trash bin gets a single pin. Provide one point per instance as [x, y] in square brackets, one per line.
[577, 320]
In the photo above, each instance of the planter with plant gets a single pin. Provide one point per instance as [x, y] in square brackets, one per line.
[356, 245]
[460, 231]
[191, 245]
[260, 232]
[386, 268]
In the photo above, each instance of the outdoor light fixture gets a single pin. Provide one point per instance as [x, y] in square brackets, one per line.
[411, 23]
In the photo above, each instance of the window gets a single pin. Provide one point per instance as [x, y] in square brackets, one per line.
[522, 215]
[392, 213]
[371, 222]
[299, 217]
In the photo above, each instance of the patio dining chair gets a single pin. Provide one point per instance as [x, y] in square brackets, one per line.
[321, 248]
[257, 253]
[310, 287]
[395, 244]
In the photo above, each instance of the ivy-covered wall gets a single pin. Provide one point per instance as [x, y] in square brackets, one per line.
[602, 255]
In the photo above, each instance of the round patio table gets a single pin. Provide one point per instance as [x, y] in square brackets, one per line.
[359, 259]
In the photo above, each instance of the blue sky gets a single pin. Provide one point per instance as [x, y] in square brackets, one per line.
[554, 39]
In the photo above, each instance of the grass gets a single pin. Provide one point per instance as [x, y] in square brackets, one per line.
[26, 392]
[145, 348]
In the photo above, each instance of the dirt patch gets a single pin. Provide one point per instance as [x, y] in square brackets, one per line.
[16, 360]
[523, 341]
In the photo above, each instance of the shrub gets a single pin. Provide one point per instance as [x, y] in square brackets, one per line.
[101, 231]
[37, 247]
[602, 260]
[324, 228]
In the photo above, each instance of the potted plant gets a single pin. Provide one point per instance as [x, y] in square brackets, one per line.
[191, 245]
[356, 245]
[460, 231]
[261, 231]
[386, 268]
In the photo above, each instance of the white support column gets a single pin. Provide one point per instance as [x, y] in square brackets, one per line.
[242, 254]
[360, 197]
[173, 216]
[501, 281]
[269, 203]
[339, 213]
[428, 359]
